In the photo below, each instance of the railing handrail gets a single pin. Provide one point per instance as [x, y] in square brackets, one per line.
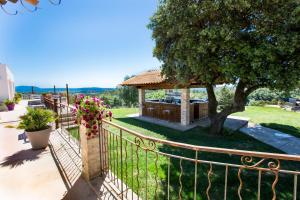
[209, 149]
[59, 103]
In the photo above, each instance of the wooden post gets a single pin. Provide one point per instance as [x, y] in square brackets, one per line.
[56, 111]
[67, 89]
[54, 90]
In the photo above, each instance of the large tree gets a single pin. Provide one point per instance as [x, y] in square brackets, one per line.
[247, 43]
[128, 94]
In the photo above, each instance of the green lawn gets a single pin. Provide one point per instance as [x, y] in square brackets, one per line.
[275, 118]
[74, 132]
[196, 136]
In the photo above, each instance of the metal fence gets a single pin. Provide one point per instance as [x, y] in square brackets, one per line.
[65, 121]
[142, 167]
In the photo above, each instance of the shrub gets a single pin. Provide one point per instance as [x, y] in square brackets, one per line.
[257, 103]
[36, 119]
[155, 94]
[225, 97]
[2, 107]
[18, 97]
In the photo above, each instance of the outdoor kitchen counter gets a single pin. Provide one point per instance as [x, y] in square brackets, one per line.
[172, 112]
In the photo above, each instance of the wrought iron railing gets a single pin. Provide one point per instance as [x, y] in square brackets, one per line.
[142, 167]
[65, 122]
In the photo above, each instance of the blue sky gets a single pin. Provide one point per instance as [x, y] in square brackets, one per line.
[83, 43]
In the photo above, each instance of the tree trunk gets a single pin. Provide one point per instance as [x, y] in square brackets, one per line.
[217, 119]
[217, 124]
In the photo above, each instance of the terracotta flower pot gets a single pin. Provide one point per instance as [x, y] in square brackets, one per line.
[39, 139]
[10, 107]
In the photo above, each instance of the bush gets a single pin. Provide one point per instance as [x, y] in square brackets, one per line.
[225, 97]
[257, 103]
[36, 119]
[17, 98]
[3, 107]
[155, 94]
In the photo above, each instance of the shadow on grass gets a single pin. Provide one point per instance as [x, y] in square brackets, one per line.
[182, 172]
[284, 128]
[21, 157]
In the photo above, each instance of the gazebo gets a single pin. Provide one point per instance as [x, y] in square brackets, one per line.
[177, 107]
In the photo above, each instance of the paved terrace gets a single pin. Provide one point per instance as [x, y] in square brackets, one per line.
[53, 173]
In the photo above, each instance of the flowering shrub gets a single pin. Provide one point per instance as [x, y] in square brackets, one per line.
[89, 111]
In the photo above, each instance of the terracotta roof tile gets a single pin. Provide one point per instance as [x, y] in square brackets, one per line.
[145, 78]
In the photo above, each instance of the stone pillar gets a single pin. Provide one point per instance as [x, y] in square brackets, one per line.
[185, 106]
[90, 153]
[141, 100]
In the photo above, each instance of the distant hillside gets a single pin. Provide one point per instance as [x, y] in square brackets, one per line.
[27, 89]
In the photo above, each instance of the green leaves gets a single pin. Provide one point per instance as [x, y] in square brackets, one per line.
[253, 41]
[36, 119]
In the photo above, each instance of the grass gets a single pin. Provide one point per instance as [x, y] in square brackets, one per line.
[146, 167]
[275, 118]
[74, 132]
[196, 136]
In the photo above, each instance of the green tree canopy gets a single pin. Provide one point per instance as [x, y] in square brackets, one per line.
[248, 43]
[128, 94]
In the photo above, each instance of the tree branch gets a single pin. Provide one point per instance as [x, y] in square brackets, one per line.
[249, 90]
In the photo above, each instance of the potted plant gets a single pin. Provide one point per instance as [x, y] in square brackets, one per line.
[37, 126]
[89, 111]
[10, 104]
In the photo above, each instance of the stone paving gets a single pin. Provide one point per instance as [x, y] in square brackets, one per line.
[282, 141]
[13, 116]
[25, 173]
[232, 122]
[49, 174]
[35, 174]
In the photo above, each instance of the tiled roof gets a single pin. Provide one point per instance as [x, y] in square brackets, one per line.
[154, 80]
[145, 78]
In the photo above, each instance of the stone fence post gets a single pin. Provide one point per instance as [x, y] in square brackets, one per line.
[90, 154]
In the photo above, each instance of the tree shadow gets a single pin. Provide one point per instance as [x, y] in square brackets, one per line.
[283, 128]
[169, 133]
[21, 157]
